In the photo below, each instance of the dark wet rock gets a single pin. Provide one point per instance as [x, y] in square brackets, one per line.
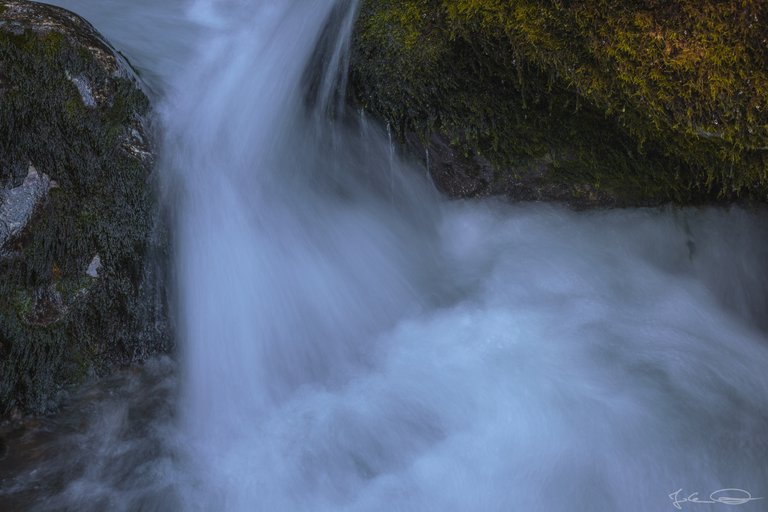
[77, 220]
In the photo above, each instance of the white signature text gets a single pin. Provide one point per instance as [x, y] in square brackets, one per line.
[722, 496]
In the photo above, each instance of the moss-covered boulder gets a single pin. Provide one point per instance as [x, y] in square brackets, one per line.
[607, 102]
[76, 212]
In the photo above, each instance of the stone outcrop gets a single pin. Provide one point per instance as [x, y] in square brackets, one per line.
[596, 102]
[77, 220]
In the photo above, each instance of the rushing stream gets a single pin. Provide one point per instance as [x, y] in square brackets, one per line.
[350, 340]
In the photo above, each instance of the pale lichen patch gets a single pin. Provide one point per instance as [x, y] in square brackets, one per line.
[94, 267]
[84, 88]
[17, 205]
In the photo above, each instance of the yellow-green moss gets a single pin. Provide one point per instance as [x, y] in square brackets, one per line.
[649, 100]
[52, 42]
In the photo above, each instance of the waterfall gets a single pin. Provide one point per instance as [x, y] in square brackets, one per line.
[289, 261]
[352, 341]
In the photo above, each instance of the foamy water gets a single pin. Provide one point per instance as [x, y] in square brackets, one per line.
[349, 340]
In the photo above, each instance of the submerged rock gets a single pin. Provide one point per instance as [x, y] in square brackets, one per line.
[600, 102]
[76, 208]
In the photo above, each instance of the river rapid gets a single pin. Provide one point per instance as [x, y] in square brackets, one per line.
[349, 340]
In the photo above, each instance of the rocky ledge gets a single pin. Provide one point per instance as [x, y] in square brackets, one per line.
[77, 296]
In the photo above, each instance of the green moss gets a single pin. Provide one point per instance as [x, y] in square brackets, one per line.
[72, 287]
[74, 108]
[645, 100]
[52, 43]
[57, 323]
[22, 303]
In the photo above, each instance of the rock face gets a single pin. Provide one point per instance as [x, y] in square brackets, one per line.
[76, 211]
[596, 102]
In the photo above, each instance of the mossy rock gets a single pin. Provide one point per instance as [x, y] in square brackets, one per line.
[76, 208]
[596, 102]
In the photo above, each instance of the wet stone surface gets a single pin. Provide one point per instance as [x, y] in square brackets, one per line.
[76, 182]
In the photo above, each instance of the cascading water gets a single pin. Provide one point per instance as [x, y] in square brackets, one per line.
[287, 261]
[352, 341]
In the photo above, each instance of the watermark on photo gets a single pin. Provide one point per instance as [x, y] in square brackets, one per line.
[729, 496]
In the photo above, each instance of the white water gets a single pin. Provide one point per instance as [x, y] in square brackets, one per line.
[352, 341]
